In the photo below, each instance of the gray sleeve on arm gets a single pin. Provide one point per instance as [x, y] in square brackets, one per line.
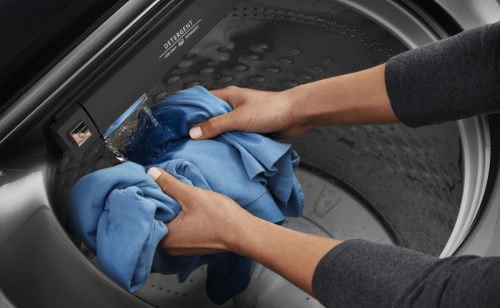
[452, 79]
[357, 273]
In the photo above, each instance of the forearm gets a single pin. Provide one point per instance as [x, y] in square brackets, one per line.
[291, 254]
[362, 274]
[357, 98]
[452, 79]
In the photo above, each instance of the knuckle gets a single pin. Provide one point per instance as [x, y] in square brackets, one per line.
[193, 198]
[198, 197]
[231, 88]
[230, 202]
[190, 196]
[230, 92]
[227, 201]
[166, 184]
[205, 195]
[214, 122]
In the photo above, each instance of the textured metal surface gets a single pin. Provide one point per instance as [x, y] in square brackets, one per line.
[472, 13]
[431, 21]
[484, 238]
[400, 20]
[70, 170]
[332, 211]
[39, 264]
[412, 177]
[270, 48]
[393, 16]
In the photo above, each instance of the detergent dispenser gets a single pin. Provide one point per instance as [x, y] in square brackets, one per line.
[154, 44]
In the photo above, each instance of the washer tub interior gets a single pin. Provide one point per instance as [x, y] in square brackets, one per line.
[417, 188]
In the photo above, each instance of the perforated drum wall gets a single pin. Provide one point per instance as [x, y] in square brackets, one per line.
[411, 178]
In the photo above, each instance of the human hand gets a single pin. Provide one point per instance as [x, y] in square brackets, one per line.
[207, 222]
[210, 222]
[256, 112]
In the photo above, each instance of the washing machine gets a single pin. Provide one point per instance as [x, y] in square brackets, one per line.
[70, 69]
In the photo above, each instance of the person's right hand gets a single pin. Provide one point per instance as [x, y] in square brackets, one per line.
[255, 112]
[208, 223]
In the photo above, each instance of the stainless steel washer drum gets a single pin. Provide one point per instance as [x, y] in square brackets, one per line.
[412, 179]
[423, 186]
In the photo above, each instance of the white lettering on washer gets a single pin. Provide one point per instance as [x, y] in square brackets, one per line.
[178, 38]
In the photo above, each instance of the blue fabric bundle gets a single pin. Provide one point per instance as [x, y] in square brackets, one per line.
[119, 213]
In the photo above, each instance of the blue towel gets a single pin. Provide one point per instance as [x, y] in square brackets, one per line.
[119, 212]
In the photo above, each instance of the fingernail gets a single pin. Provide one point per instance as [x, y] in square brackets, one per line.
[195, 133]
[154, 173]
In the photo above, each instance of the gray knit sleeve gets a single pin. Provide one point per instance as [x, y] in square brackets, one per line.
[357, 273]
[452, 79]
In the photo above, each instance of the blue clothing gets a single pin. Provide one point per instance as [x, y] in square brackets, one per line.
[119, 212]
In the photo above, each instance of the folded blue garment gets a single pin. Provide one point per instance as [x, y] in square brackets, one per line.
[119, 213]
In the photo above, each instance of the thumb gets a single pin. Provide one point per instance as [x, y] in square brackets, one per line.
[214, 126]
[170, 185]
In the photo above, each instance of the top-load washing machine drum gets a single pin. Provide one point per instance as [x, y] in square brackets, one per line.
[383, 183]
[417, 188]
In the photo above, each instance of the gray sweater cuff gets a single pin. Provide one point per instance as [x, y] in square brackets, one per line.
[358, 273]
[452, 79]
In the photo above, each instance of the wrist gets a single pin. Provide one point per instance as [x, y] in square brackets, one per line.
[302, 108]
[242, 233]
[235, 234]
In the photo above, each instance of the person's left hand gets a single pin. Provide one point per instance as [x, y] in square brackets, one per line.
[207, 222]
